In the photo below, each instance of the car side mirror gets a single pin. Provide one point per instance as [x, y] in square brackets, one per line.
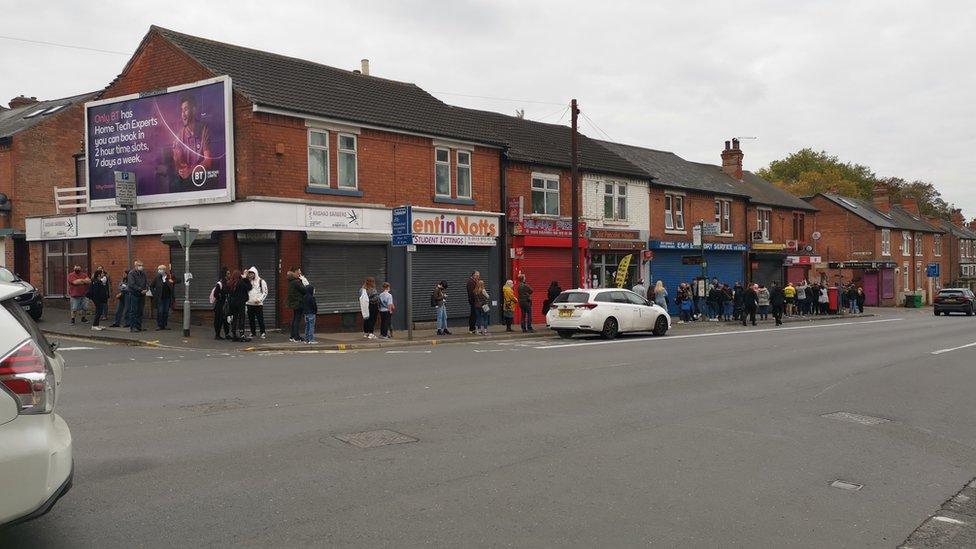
[54, 346]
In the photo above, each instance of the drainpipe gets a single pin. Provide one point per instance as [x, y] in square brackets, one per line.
[503, 226]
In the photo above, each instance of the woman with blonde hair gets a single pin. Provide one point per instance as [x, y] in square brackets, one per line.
[481, 301]
[660, 295]
[508, 304]
[369, 300]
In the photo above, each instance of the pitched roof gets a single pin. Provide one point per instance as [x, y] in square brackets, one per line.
[961, 232]
[670, 170]
[896, 218]
[19, 119]
[301, 86]
[763, 192]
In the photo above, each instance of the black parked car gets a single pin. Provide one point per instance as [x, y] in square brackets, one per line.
[32, 301]
[959, 300]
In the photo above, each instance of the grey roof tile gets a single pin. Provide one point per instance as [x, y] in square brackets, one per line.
[763, 192]
[670, 170]
[895, 218]
[13, 121]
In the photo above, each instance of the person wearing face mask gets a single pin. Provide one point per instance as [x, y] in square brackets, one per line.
[162, 291]
[98, 294]
[78, 283]
[138, 287]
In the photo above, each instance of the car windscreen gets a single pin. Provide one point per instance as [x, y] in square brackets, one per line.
[6, 276]
[572, 297]
[950, 293]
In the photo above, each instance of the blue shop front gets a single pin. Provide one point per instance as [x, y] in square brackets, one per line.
[679, 261]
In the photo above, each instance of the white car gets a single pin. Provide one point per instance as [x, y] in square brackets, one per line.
[606, 311]
[36, 465]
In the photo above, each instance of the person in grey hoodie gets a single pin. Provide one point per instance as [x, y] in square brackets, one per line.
[137, 285]
[255, 302]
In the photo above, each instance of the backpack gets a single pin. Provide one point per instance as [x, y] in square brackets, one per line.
[213, 292]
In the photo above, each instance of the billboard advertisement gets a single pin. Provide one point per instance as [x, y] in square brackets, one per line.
[178, 142]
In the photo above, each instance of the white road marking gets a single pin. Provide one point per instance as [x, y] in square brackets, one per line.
[715, 334]
[491, 350]
[406, 352]
[949, 350]
[950, 520]
[76, 348]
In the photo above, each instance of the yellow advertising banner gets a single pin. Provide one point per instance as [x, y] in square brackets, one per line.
[622, 270]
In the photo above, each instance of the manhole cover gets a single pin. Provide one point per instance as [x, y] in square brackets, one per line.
[844, 485]
[856, 418]
[372, 439]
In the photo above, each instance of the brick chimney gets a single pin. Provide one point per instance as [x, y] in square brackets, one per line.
[880, 198]
[910, 205]
[22, 101]
[957, 218]
[732, 159]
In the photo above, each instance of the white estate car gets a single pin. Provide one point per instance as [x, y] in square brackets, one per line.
[36, 466]
[606, 311]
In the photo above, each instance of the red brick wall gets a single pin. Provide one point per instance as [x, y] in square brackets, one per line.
[518, 180]
[697, 206]
[843, 233]
[781, 223]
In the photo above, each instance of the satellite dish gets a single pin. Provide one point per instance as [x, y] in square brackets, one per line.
[816, 235]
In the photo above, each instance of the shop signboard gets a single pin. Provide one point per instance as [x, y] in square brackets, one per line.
[685, 245]
[802, 259]
[401, 226]
[547, 227]
[59, 227]
[861, 265]
[451, 228]
[768, 246]
[330, 217]
[175, 143]
[515, 208]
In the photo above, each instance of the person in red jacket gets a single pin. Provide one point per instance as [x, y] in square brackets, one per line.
[78, 283]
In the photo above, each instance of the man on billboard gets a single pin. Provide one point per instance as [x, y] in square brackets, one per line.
[191, 149]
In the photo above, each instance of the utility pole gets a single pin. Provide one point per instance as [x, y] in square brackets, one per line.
[704, 265]
[574, 176]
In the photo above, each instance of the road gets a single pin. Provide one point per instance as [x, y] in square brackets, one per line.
[710, 439]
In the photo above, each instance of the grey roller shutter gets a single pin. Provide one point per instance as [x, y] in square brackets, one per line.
[338, 270]
[432, 264]
[263, 256]
[205, 266]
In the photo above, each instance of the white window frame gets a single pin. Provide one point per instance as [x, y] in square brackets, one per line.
[723, 216]
[437, 163]
[937, 245]
[675, 212]
[919, 244]
[545, 179]
[906, 244]
[355, 157]
[460, 167]
[886, 242]
[615, 197]
[905, 282]
[764, 222]
[311, 147]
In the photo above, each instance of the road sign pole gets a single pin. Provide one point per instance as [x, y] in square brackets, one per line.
[704, 266]
[186, 291]
[128, 234]
[409, 292]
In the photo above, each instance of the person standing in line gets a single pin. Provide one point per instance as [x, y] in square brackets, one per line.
[508, 304]
[121, 310]
[552, 293]
[483, 303]
[98, 294]
[660, 295]
[685, 303]
[801, 298]
[714, 302]
[813, 298]
[737, 300]
[473, 313]
[852, 299]
[255, 303]
[790, 293]
[824, 300]
[310, 308]
[777, 299]
[525, 303]
[240, 287]
[762, 296]
[138, 287]
[294, 300]
[368, 291]
[162, 291]
[860, 299]
[750, 303]
[386, 311]
[438, 300]
[218, 298]
[726, 303]
[640, 289]
[78, 283]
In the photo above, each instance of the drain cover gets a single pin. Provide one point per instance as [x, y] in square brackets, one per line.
[856, 418]
[372, 439]
[844, 485]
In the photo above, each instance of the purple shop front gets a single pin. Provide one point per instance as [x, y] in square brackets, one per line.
[176, 142]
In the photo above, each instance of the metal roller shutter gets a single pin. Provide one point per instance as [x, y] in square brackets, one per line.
[666, 267]
[205, 266]
[431, 264]
[541, 266]
[263, 256]
[725, 266]
[338, 270]
[767, 271]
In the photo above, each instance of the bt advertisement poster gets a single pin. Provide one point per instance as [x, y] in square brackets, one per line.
[177, 143]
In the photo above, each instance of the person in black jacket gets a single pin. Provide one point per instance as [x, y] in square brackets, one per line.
[218, 297]
[750, 303]
[714, 302]
[737, 300]
[98, 293]
[162, 291]
[777, 299]
[295, 300]
[240, 287]
[552, 294]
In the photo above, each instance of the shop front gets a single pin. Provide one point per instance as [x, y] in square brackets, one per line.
[609, 249]
[798, 267]
[877, 278]
[674, 262]
[766, 262]
[542, 250]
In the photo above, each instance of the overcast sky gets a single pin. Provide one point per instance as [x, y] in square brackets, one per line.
[886, 84]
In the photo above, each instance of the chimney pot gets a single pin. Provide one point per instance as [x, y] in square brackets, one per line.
[364, 64]
[727, 146]
[735, 144]
[732, 160]
[22, 101]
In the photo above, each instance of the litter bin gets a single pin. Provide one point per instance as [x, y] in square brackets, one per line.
[833, 299]
[913, 301]
[918, 299]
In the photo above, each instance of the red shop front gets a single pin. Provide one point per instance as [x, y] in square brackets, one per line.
[541, 249]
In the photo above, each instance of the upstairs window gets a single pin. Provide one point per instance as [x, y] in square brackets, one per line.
[545, 196]
[886, 242]
[318, 158]
[937, 245]
[906, 243]
[799, 225]
[723, 216]
[463, 174]
[442, 172]
[674, 212]
[918, 244]
[348, 168]
[764, 217]
[615, 201]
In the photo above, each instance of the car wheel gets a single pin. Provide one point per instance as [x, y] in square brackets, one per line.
[970, 311]
[565, 334]
[610, 329]
[937, 312]
[660, 326]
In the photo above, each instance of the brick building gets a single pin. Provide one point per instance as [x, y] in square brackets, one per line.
[959, 251]
[883, 247]
[39, 142]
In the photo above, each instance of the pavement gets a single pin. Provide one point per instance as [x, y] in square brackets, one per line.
[849, 432]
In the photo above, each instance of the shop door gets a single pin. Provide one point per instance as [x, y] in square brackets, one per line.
[766, 271]
[453, 264]
[205, 266]
[22, 259]
[338, 270]
[870, 285]
[887, 284]
[263, 256]
[541, 267]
